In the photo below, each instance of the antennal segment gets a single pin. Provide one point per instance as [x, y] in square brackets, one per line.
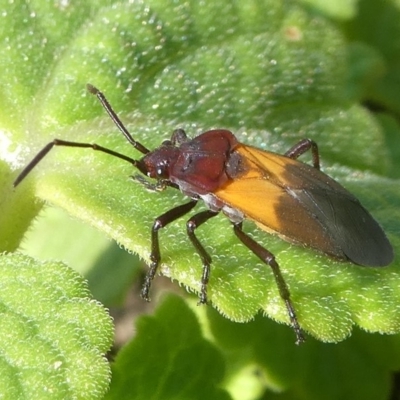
[113, 115]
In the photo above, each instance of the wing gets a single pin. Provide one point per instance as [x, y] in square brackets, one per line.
[303, 205]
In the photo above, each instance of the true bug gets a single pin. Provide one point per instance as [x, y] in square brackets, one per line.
[280, 194]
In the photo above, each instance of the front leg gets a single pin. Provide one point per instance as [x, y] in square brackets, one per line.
[155, 256]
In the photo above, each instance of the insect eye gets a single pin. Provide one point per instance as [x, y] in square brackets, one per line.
[162, 171]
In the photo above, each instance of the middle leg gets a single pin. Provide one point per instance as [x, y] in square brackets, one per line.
[193, 223]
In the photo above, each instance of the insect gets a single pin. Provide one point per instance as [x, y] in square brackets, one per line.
[281, 195]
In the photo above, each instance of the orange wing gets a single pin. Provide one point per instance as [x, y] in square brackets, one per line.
[303, 205]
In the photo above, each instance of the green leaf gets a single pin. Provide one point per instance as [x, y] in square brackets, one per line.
[86, 250]
[17, 209]
[340, 9]
[53, 334]
[366, 65]
[158, 363]
[377, 24]
[267, 70]
[391, 127]
[358, 367]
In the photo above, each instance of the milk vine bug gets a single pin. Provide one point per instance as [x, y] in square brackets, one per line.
[280, 194]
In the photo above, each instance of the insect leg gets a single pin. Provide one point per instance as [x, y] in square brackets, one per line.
[301, 147]
[155, 256]
[269, 258]
[159, 186]
[57, 142]
[193, 223]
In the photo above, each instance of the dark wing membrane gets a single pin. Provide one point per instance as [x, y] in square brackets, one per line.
[350, 226]
[303, 205]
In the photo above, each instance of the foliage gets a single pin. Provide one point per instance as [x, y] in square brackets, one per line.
[273, 73]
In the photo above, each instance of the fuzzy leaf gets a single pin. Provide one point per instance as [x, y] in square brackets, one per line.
[267, 70]
[53, 335]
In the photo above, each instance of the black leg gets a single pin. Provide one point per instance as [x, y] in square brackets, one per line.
[155, 256]
[269, 258]
[193, 223]
[159, 186]
[301, 147]
[57, 142]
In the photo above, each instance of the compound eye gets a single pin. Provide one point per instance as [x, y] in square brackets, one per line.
[161, 171]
